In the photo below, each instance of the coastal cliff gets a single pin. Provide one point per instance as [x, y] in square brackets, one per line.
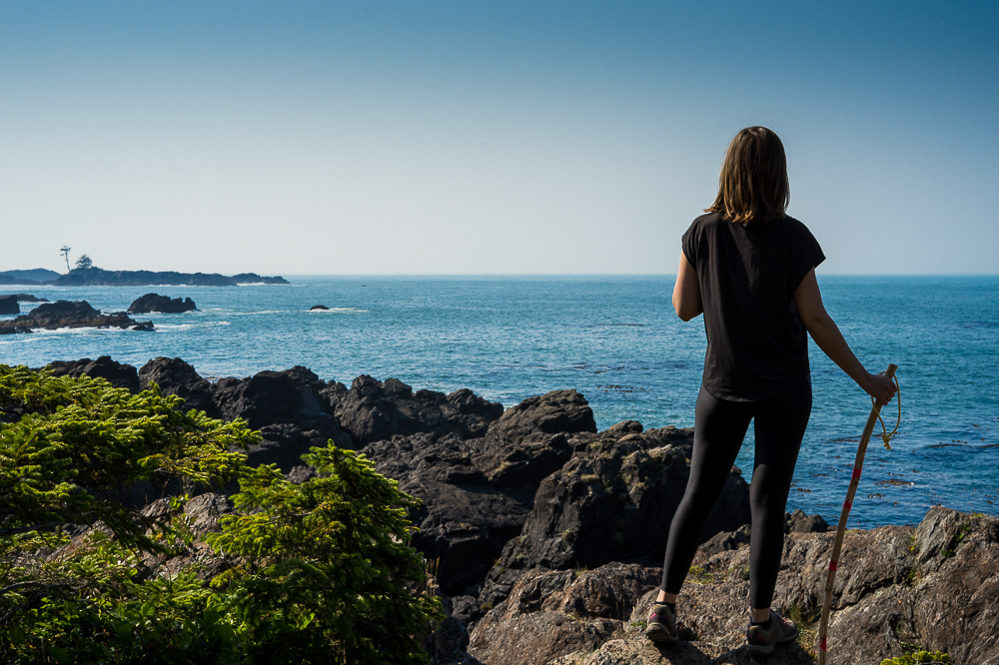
[545, 535]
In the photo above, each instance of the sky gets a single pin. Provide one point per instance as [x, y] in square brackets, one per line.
[474, 137]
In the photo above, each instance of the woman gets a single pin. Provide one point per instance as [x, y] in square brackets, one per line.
[750, 269]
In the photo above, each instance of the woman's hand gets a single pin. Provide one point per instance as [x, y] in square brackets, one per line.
[880, 387]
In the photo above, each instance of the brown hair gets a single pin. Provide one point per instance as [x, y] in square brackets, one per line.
[753, 181]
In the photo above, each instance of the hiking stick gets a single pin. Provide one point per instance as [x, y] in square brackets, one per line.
[858, 464]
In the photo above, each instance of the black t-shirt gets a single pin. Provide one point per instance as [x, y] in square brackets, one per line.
[747, 273]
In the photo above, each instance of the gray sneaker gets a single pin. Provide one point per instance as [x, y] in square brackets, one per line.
[761, 640]
[661, 627]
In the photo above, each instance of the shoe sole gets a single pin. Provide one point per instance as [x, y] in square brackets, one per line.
[659, 635]
[767, 649]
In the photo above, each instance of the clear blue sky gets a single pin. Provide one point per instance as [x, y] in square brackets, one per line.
[487, 137]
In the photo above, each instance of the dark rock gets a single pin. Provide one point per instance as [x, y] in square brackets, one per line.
[525, 464]
[8, 305]
[726, 540]
[477, 490]
[66, 314]
[153, 302]
[612, 502]
[799, 521]
[319, 307]
[117, 374]
[284, 444]
[27, 297]
[465, 608]
[372, 410]
[558, 411]
[176, 377]
[266, 398]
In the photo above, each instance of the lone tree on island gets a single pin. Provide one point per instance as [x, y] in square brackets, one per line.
[65, 254]
[84, 262]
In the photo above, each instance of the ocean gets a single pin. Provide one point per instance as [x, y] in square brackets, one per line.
[617, 341]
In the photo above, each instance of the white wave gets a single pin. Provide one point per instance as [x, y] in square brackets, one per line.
[189, 326]
[341, 310]
[175, 326]
[257, 313]
[84, 330]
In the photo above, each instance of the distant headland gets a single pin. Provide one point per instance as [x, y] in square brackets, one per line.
[92, 276]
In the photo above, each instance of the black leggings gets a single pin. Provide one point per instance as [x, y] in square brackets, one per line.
[719, 428]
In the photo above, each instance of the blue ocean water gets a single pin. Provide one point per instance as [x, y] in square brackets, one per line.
[616, 340]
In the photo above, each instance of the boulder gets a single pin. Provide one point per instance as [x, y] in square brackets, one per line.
[551, 413]
[8, 305]
[288, 409]
[268, 397]
[67, 314]
[176, 377]
[373, 410]
[153, 302]
[799, 521]
[117, 374]
[284, 444]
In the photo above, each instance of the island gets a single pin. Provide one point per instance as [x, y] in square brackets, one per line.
[92, 276]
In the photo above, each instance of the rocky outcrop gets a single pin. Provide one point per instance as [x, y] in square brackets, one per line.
[117, 374]
[550, 613]
[9, 302]
[153, 302]
[67, 314]
[373, 410]
[319, 308]
[546, 536]
[933, 585]
[176, 377]
[611, 501]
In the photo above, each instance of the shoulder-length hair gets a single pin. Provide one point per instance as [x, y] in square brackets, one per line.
[753, 181]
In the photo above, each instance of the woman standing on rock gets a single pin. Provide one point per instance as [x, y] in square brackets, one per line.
[750, 269]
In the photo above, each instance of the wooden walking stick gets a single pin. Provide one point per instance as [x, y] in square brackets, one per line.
[858, 464]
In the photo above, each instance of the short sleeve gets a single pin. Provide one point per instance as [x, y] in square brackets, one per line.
[689, 243]
[805, 254]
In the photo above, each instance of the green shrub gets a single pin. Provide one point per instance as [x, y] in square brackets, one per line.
[320, 572]
[918, 658]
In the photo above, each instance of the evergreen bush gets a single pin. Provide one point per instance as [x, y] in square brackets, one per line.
[320, 572]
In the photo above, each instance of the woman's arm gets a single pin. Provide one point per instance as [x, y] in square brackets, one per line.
[686, 291]
[826, 334]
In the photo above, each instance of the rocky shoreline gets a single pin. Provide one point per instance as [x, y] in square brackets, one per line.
[545, 535]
